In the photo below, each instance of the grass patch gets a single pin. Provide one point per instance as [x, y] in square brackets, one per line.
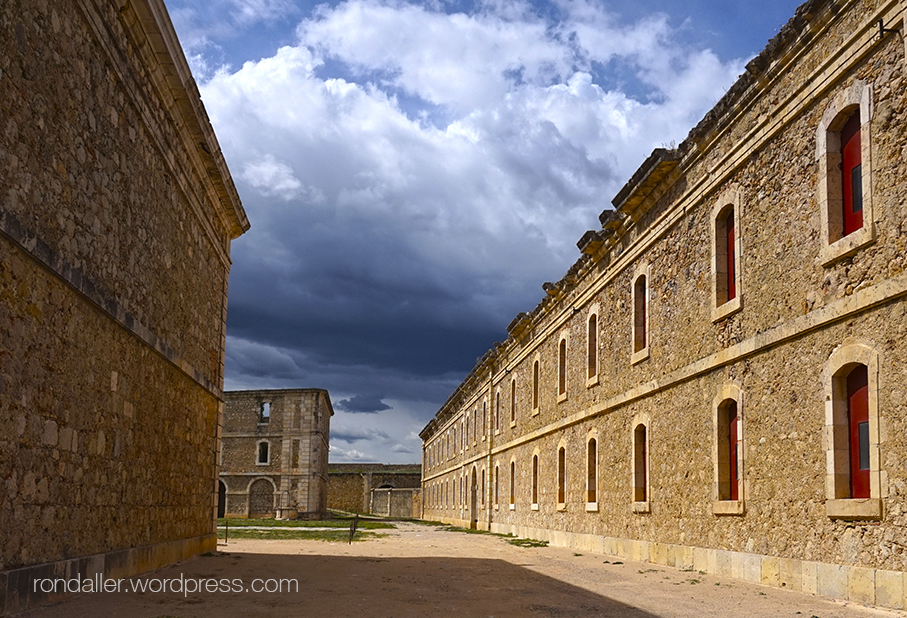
[364, 524]
[296, 534]
[527, 543]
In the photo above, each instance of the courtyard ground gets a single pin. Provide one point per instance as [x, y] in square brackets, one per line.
[423, 571]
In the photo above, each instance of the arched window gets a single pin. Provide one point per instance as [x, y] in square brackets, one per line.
[639, 314]
[561, 476]
[843, 142]
[592, 347]
[264, 454]
[728, 451]
[562, 370]
[264, 412]
[640, 305]
[535, 386]
[641, 497]
[484, 418]
[512, 483]
[591, 471]
[482, 487]
[726, 255]
[535, 481]
[853, 486]
[513, 401]
[497, 411]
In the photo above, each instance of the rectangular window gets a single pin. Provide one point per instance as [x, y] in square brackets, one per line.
[858, 420]
[591, 471]
[592, 347]
[731, 256]
[561, 475]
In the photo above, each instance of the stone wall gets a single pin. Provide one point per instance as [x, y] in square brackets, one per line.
[350, 485]
[396, 503]
[804, 301]
[296, 431]
[116, 218]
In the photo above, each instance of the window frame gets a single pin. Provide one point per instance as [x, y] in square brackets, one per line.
[562, 351]
[722, 307]
[592, 343]
[513, 401]
[512, 484]
[722, 505]
[258, 445]
[561, 467]
[839, 504]
[592, 471]
[856, 98]
[639, 354]
[641, 479]
[534, 496]
[536, 378]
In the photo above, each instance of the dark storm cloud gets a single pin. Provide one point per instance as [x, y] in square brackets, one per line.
[364, 404]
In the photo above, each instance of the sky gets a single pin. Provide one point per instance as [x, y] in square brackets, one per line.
[414, 171]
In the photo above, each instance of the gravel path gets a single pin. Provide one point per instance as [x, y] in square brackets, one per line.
[421, 571]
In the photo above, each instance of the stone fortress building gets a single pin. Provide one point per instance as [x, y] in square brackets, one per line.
[718, 383]
[117, 212]
[274, 457]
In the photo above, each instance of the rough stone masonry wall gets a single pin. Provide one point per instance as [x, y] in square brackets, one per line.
[796, 311]
[113, 270]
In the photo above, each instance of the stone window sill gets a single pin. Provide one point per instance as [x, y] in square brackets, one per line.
[535, 411]
[512, 507]
[846, 246]
[593, 381]
[854, 508]
[592, 507]
[534, 506]
[562, 397]
[512, 424]
[561, 506]
[639, 356]
[725, 309]
[728, 507]
[642, 507]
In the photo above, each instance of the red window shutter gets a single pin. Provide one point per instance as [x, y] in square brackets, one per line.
[851, 174]
[733, 475]
[858, 421]
[731, 256]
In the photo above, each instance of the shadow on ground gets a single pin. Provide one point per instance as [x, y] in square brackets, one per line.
[348, 586]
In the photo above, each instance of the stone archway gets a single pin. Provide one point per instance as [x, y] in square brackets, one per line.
[261, 499]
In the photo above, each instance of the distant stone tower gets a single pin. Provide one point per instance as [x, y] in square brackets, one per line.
[274, 453]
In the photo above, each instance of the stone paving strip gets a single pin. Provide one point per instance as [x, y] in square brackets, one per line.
[420, 570]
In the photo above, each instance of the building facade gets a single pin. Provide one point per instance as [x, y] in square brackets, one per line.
[117, 213]
[718, 382]
[274, 457]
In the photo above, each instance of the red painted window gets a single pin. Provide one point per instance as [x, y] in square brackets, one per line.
[640, 481]
[858, 421]
[851, 171]
[640, 313]
[535, 479]
[591, 471]
[733, 475]
[561, 475]
[731, 255]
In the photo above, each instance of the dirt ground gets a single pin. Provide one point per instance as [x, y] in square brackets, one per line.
[424, 571]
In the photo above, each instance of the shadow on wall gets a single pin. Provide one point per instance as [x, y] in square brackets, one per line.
[405, 587]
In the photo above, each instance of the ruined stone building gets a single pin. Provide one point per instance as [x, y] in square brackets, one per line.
[117, 212]
[718, 383]
[274, 458]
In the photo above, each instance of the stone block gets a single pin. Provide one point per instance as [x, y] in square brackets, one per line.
[723, 563]
[890, 589]
[831, 580]
[808, 577]
[790, 573]
[861, 585]
[683, 557]
[771, 571]
[701, 559]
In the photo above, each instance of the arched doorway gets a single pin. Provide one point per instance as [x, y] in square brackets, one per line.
[473, 502]
[261, 499]
[221, 499]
